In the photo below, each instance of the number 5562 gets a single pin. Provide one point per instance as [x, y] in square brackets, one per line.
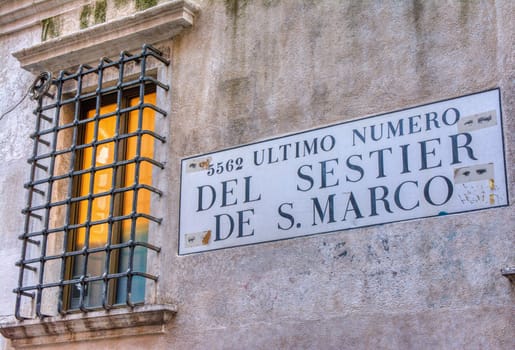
[230, 165]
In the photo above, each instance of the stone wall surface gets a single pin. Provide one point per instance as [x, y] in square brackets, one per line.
[15, 146]
[251, 70]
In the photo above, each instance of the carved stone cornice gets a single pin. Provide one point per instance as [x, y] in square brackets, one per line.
[150, 26]
[16, 15]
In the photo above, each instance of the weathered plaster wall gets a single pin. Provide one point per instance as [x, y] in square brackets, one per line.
[278, 67]
[249, 70]
[15, 146]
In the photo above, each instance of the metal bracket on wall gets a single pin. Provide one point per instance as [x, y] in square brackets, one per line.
[509, 273]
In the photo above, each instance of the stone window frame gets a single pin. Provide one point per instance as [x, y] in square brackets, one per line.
[154, 25]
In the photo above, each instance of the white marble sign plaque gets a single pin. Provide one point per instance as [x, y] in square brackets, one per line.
[436, 159]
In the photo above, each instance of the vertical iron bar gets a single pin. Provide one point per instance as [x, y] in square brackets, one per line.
[69, 206]
[26, 228]
[98, 105]
[136, 175]
[93, 174]
[90, 200]
[119, 102]
[48, 201]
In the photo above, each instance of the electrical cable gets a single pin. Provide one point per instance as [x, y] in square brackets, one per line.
[37, 89]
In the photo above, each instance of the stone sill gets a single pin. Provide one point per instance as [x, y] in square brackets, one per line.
[151, 26]
[146, 319]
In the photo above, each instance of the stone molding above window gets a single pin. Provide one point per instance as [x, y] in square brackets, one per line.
[155, 24]
[17, 15]
[146, 319]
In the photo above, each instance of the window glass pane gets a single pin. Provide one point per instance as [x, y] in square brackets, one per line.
[143, 202]
[95, 182]
[145, 171]
[105, 205]
[102, 179]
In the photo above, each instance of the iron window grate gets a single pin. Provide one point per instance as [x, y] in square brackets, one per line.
[44, 279]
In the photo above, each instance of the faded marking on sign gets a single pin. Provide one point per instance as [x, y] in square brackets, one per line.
[199, 164]
[197, 239]
[474, 173]
[479, 192]
[477, 121]
[205, 239]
